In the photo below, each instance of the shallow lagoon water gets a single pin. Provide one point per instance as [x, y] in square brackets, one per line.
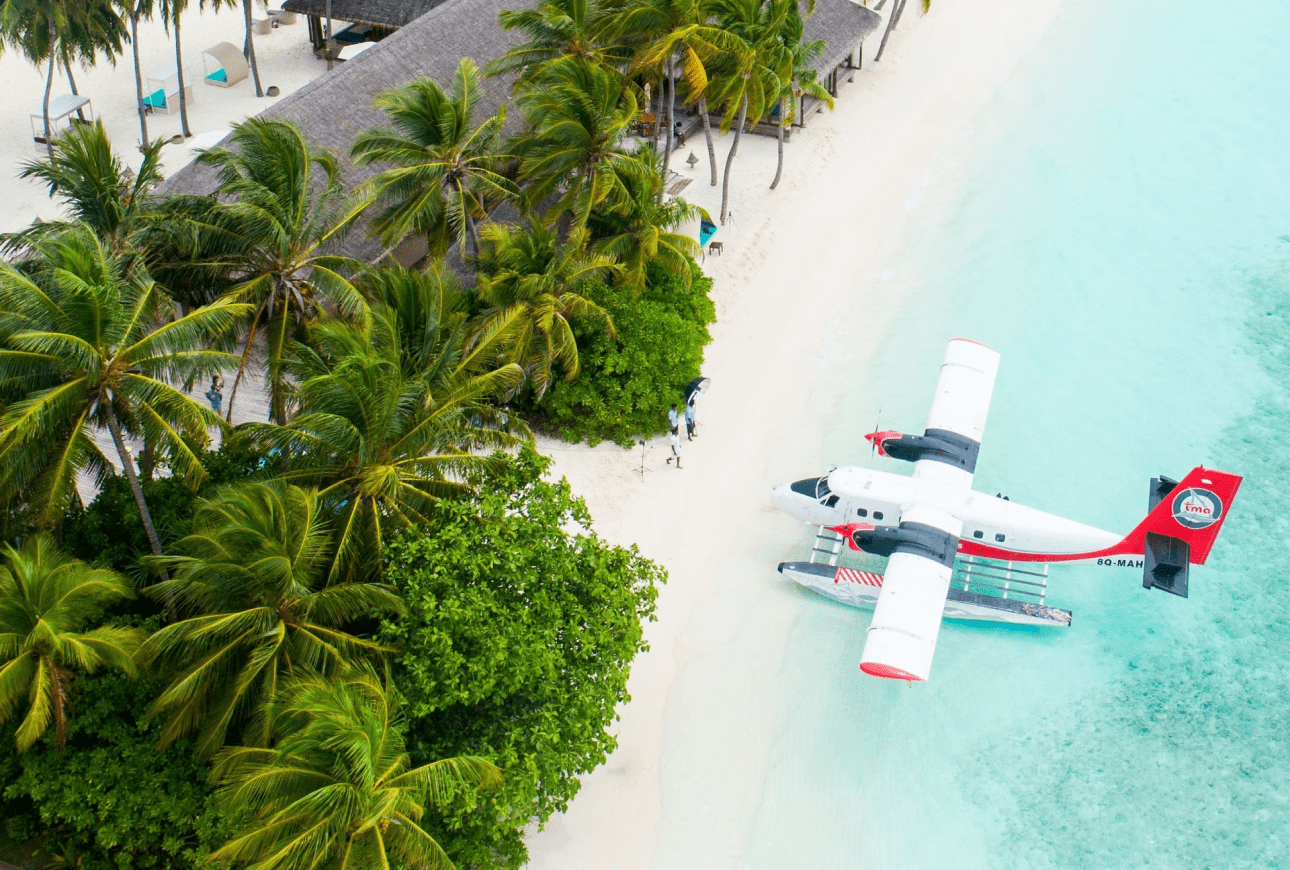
[1119, 229]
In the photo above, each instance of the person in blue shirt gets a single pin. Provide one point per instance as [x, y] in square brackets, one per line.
[215, 395]
[672, 418]
[690, 425]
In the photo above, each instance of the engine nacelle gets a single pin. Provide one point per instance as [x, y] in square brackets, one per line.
[939, 445]
[919, 539]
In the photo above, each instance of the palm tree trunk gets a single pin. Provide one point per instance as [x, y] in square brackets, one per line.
[241, 366]
[896, 9]
[730, 158]
[671, 105]
[249, 47]
[71, 83]
[707, 134]
[58, 697]
[328, 45]
[127, 463]
[473, 232]
[138, 73]
[179, 67]
[49, 86]
[779, 132]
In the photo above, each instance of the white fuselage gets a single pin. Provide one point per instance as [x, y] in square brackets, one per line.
[993, 527]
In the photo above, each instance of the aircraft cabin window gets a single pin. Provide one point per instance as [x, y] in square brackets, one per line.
[877, 515]
[861, 512]
[978, 534]
[999, 538]
[831, 501]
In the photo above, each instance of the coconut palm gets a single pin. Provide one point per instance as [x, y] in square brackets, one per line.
[663, 33]
[581, 113]
[381, 439]
[445, 169]
[254, 577]
[797, 78]
[558, 30]
[282, 205]
[101, 193]
[338, 788]
[134, 10]
[745, 82]
[642, 232]
[91, 343]
[48, 600]
[58, 31]
[531, 276]
[248, 47]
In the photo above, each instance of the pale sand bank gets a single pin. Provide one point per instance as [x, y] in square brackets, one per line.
[791, 258]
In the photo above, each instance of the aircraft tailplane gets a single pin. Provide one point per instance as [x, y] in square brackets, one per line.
[1190, 512]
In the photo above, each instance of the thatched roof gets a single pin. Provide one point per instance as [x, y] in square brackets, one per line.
[842, 24]
[335, 107]
[383, 13]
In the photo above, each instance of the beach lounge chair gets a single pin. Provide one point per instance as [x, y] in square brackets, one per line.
[162, 91]
[225, 65]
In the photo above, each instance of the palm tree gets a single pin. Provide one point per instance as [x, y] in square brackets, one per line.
[92, 343]
[581, 113]
[56, 31]
[382, 440]
[282, 205]
[338, 789]
[248, 47]
[445, 168]
[533, 277]
[557, 30]
[642, 234]
[134, 10]
[102, 194]
[47, 600]
[253, 574]
[661, 32]
[797, 77]
[746, 84]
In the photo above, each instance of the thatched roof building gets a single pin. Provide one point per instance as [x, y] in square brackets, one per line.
[843, 25]
[335, 107]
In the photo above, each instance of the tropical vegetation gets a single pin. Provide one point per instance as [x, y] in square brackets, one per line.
[368, 630]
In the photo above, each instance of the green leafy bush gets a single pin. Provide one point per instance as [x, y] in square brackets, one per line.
[111, 797]
[519, 635]
[627, 385]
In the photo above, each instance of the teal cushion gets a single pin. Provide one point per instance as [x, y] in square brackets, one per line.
[218, 76]
[156, 99]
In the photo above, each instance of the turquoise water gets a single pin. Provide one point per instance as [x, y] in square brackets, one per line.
[1120, 231]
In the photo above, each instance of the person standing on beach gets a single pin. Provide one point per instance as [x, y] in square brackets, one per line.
[675, 438]
[690, 425]
[215, 395]
[672, 418]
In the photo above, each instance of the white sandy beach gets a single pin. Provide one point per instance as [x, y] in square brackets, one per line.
[791, 257]
[285, 60]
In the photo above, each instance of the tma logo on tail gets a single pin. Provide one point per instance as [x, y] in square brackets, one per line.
[1195, 508]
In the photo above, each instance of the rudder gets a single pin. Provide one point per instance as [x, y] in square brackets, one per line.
[1193, 511]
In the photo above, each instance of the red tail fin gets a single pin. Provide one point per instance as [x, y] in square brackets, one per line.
[1194, 510]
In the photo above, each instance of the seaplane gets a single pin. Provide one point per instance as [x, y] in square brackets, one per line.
[953, 552]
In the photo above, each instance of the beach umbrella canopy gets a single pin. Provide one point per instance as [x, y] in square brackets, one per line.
[696, 388]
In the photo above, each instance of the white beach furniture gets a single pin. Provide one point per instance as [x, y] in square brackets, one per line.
[61, 111]
[225, 65]
[349, 52]
[162, 91]
[209, 139]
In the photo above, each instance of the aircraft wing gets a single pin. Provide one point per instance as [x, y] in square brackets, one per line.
[907, 618]
[959, 408]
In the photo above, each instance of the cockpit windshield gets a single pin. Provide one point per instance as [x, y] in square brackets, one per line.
[822, 490]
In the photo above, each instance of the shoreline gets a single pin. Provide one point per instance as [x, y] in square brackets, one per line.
[828, 232]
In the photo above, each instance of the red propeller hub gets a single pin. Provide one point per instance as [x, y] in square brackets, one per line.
[849, 529]
[877, 438]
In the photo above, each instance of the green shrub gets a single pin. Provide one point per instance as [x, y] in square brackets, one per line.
[517, 642]
[111, 797]
[626, 386]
